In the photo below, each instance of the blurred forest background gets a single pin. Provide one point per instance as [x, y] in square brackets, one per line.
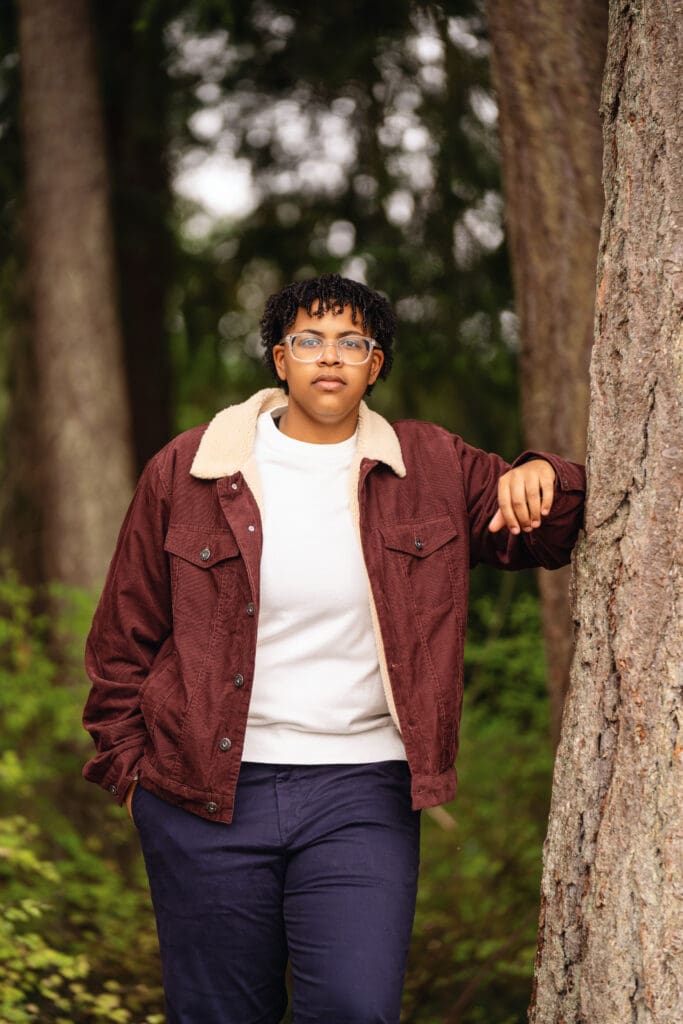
[239, 146]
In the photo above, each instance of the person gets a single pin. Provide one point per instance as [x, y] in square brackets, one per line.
[277, 666]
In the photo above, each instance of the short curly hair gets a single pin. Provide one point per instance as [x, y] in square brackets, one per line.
[329, 293]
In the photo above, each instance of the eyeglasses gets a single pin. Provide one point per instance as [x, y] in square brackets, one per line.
[352, 348]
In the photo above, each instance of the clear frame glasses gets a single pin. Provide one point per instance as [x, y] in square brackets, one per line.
[353, 349]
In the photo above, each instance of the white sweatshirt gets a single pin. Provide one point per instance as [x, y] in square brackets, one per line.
[317, 694]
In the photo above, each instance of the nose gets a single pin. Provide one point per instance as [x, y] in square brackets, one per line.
[330, 354]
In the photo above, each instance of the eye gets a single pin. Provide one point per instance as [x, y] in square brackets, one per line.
[353, 344]
[306, 341]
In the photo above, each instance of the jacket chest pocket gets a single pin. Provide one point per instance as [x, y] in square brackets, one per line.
[199, 563]
[421, 557]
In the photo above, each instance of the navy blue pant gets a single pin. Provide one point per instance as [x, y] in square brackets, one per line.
[319, 866]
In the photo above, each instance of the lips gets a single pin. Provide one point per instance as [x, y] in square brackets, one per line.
[329, 382]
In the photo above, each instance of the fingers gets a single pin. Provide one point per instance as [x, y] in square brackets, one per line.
[547, 488]
[497, 523]
[533, 502]
[525, 494]
[514, 505]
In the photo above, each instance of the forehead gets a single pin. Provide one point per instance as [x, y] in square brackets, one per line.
[330, 322]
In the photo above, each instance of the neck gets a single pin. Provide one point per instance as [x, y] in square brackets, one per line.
[296, 424]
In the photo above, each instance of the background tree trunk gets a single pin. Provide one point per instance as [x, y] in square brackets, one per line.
[547, 61]
[611, 928]
[136, 87]
[84, 459]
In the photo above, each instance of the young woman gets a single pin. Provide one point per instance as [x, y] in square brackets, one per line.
[276, 663]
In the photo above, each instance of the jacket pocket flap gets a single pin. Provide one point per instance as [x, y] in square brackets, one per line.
[419, 539]
[202, 549]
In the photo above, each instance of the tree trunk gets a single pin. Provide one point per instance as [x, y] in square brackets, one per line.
[611, 930]
[547, 61]
[137, 88]
[84, 459]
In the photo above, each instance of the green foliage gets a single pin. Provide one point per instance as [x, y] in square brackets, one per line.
[474, 941]
[77, 942]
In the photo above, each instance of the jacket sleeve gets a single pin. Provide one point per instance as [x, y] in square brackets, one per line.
[130, 624]
[549, 545]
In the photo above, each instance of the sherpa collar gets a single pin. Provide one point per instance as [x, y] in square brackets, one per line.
[227, 443]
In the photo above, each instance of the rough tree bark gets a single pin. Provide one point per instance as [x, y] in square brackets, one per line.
[611, 929]
[84, 460]
[547, 60]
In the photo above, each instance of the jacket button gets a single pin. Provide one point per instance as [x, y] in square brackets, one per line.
[205, 554]
[234, 486]
[225, 743]
[251, 528]
[113, 789]
[419, 545]
[211, 807]
[238, 680]
[251, 608]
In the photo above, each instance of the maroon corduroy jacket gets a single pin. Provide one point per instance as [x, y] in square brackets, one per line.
[171, 650]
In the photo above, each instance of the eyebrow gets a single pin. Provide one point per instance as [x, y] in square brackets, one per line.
[320, 334]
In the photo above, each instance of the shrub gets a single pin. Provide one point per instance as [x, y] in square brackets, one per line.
[77, 940]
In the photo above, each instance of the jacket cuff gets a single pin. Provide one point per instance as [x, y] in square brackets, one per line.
[118, 774]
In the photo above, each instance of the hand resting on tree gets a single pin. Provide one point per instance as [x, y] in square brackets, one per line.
[525, 493]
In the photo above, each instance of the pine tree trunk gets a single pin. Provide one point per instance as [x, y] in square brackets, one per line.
[84, 460]
[611, 930]
[547, 61]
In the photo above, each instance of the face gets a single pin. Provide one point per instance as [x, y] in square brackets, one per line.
[324, 396]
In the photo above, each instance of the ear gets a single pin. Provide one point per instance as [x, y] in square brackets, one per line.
[376, 363]
[279, 360]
